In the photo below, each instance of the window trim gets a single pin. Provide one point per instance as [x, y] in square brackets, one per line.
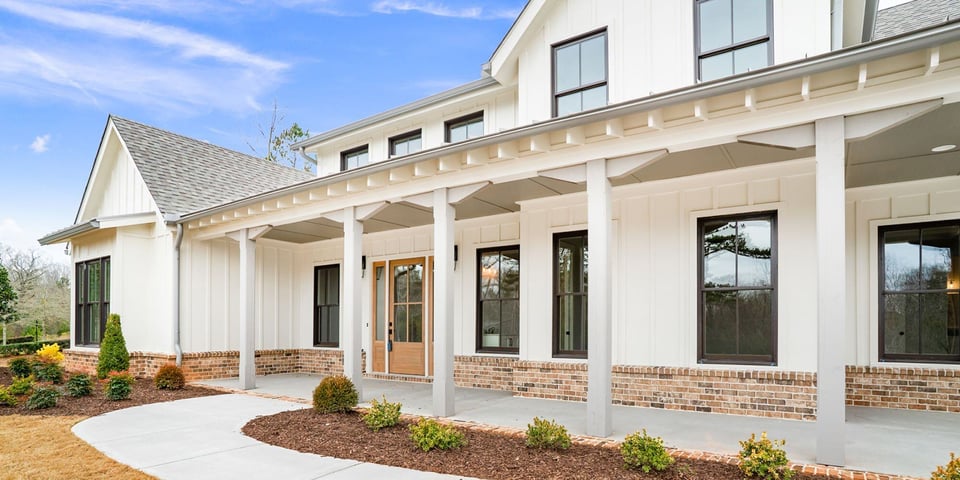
[699, 55]
[403, 137]
[82, 291]
[557, 352]
[479, 301]
[346, 153]
[463, 120]
[316, 308]
[554, 94]
[702, 358]
[882, 356]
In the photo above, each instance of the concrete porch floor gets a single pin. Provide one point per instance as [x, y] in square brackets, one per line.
[879, 440]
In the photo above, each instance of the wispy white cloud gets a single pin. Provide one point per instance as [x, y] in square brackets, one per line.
[39, 144]
[139, 63]
[441, 10]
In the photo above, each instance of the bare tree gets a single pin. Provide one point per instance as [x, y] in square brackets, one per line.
[278, 141]
[43, 291]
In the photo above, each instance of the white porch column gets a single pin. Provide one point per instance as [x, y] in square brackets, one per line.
[831, 294]
[599, 299]
[351, 306]
[247, 238]
[443, 232]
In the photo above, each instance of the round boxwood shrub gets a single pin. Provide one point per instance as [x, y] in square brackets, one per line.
[335, 394]
[21, 385]
[20, 367]
[543, 433]
[43, 397]
[169, 377]
[48, 372]
[79, 385]
[428, 434]
[647, 453]
[119, 386]
[113, 349]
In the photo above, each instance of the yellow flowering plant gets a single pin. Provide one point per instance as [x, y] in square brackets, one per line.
[50, 353]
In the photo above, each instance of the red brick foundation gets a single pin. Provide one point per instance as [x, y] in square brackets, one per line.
[765, 393]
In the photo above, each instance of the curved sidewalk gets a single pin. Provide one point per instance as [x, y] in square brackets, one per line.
[200, 438]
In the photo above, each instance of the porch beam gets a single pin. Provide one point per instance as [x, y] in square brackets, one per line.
[443, 237]
[572, 174]
[831, 290]
[865, 125]
[352, 319]
[599, 299]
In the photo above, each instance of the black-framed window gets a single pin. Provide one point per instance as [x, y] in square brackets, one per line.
[410, 142]
[498, 299]
[93, 301]
[920, 292]
[464, 128]
[354, 158]
[570, 261]
[326, 306]
[738, 289]
[732, 36]
[580, 74]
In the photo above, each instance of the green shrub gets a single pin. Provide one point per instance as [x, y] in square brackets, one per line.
[547, 434]
[950, 471]
[382, 414]
[27, 348]
[642, 451]
[169, 377]
[119, 386]
[764, 458]
[7, 398]
[20, 367]
[335, 394]
[428, 434]
[43, 397]
[79, 385]
[48, 372]
[113, 349]
[21, 385]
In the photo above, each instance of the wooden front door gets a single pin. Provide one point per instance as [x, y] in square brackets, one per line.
[408, 311]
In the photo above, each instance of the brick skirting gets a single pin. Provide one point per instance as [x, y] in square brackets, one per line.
[765, 393]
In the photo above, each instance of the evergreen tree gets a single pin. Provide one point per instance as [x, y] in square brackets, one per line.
[113, 349]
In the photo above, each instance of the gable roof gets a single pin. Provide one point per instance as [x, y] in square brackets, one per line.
[186, 175]
[914, 15]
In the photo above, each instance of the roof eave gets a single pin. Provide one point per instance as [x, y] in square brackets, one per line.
[65, 234]
[854, 55]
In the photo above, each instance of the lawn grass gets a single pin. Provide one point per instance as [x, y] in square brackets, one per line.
[44, 447]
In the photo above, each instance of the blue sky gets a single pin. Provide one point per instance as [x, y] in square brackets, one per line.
[210, 70]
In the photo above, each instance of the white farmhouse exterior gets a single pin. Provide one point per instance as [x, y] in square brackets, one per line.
[765, 198]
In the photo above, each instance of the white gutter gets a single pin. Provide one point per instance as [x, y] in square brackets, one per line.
[854, 55]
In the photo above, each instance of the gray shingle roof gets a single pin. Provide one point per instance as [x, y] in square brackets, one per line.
[914, 15]
[185, 175]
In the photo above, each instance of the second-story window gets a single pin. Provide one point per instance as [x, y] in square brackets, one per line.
[406, 144]
[733, 36]
[580, 74]
[464, 128]
[354, 158]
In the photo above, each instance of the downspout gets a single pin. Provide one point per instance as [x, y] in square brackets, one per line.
[308, 159]
[869, 20]
[178, 240]
[836, 25]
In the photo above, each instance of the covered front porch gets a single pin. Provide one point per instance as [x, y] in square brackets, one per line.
[880, 440]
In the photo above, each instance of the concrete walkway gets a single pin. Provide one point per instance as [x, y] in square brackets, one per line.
[879, 440]
[200, 438]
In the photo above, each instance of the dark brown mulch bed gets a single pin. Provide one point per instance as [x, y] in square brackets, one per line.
[487, 455]
[144, 392]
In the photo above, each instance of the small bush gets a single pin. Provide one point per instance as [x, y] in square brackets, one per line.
[21, 386]
[113, 349]
[48, 372]
[428, 434]
[50, 353]
[382, 414]
[335, 394]
[79, 385]
[21, 367]
[764, 458]
[43, 397]
[6, 398]
[119, 386]
[547, 434]
[642, 451]
[169, 377]
[950, 471]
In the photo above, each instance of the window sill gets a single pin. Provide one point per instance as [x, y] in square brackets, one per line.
[915, 363]
[498, 353]
[737, 363]
[570, 356]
